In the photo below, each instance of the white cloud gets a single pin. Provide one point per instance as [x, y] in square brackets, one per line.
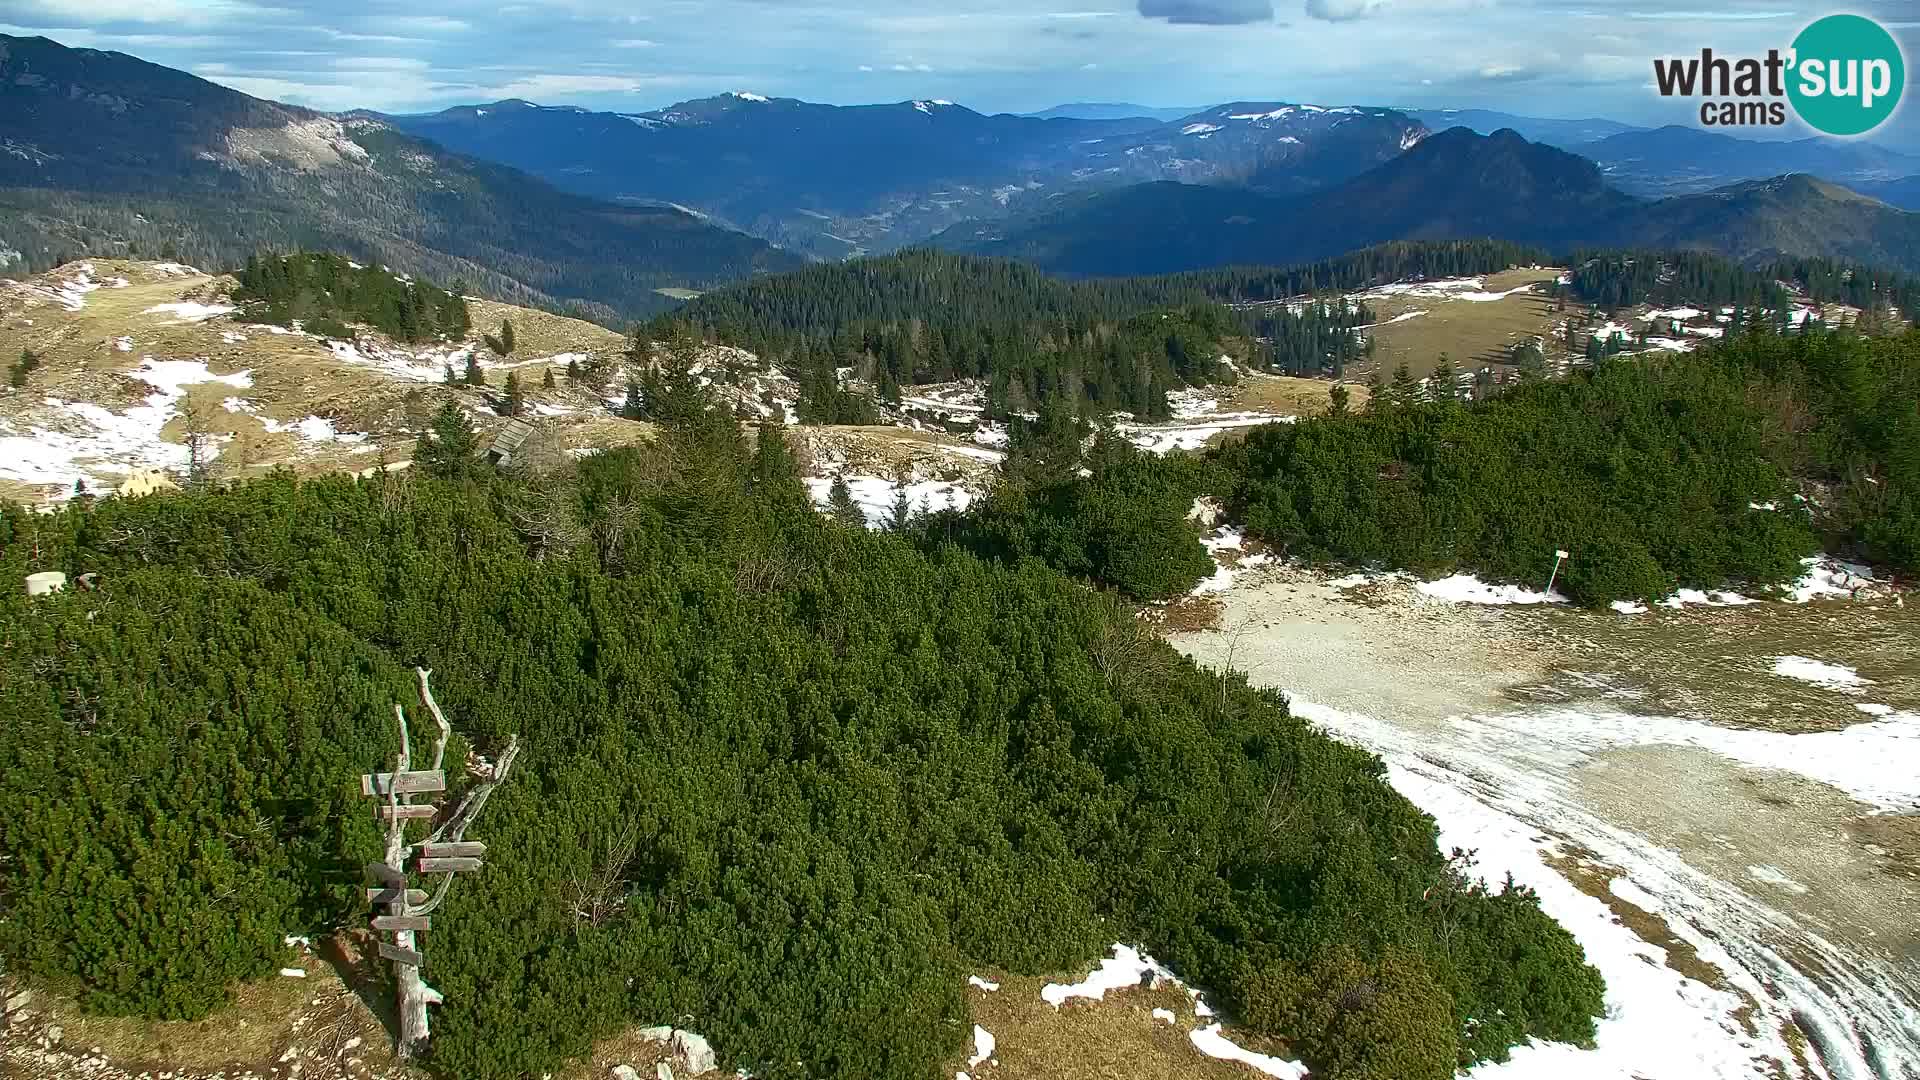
[551, 86]
[183, 12]
[634, 43]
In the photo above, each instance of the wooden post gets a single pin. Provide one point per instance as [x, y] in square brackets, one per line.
[445, 853]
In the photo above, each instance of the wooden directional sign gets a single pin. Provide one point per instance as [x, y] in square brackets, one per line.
[392, 896]
[404, 956]
[400, 922]
[389, 813]
[448, 866]
[406, 783]
[467, 850]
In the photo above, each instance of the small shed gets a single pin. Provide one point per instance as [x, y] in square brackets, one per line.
[507, 442]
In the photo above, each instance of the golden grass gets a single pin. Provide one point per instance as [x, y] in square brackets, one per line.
[1286, 395]
[320, 1014]
[1471, 333]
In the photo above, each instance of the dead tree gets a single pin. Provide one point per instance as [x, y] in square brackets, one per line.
[445, 852]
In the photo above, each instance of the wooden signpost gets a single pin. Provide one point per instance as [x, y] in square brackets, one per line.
[404, 910]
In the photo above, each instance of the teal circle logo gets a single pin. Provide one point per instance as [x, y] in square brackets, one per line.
[1847, 74]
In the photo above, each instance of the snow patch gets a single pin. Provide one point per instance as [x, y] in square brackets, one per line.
[1467, 589]
[1209, 1041]
[979, 983]
[982, 1046]
[1819, 673]
[186, 311]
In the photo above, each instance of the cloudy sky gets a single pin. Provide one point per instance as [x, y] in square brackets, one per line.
[1535, 57]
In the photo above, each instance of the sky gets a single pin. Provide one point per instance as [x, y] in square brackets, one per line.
[1567, 58]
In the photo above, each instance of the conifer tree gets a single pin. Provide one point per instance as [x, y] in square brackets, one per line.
[1446, 381]
[635, 406]
[516, 401]
[573, 371]
[546, 380]
[1406, 389]
[450, 448]
[1339, 401]
[475, 376]
[900, 519]
[841, 505]
[451, 379]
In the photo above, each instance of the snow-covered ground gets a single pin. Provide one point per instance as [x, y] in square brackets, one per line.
[83, 441]
[1660, 808]
[875, 496]
[1503, 785]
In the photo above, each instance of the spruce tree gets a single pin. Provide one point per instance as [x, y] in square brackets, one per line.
[1406, 390]
[546, 380]
[516, 401]
[1446, 381]
[573, 371]
[475, 377]
[450, 448]
[451, 379]
[841, 505]
[901, 518]
[635, 407]
[1339, 401]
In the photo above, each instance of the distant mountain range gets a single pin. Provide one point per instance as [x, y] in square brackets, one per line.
[1562, 133]
[1108, 110]
[839, 180]
[1680, 160]
[1456, 184]
[105, 154]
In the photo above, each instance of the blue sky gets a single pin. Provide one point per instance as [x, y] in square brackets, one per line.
[1535, 57]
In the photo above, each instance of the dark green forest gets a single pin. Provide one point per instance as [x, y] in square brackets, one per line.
[1119, 343]
[1612, 280]
[326, 292]
[785, 782]
[1647, 469]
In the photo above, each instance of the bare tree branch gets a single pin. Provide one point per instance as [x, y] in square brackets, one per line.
[440, 718]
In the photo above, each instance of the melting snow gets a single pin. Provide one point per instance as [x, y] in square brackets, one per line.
[1830, 577]
[1716, 598]
[116, 442]
[1199, 129]
[186, 311]
[875, 495]
[1771, 875]
[1467, 589]
[982, 984]
[1210, 1042]
[1819, 673]
[1503, 786]
[982, 1046]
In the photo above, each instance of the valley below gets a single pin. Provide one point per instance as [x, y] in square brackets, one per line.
[1736, 847]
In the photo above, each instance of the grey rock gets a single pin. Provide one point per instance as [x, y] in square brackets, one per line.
[19, 1001]
[662, 1070]
[693, 1053]
[625, 1072]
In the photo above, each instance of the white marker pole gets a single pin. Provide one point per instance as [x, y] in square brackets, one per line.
[1558, 557]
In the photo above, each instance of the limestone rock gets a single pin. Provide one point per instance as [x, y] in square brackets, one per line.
[625, 1072]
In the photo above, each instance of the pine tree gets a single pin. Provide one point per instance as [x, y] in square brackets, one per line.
[841, 505]
[451, 379]
[635, 407]
[516, 401]
[573, 371]
[475, 377]
[546, 380]
[1339, 401]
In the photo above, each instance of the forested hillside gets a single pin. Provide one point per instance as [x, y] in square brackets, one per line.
[1722, 466]
[323, 292]
[784, 782]
[1615, 279]
[1121, 343]
[112, 156]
